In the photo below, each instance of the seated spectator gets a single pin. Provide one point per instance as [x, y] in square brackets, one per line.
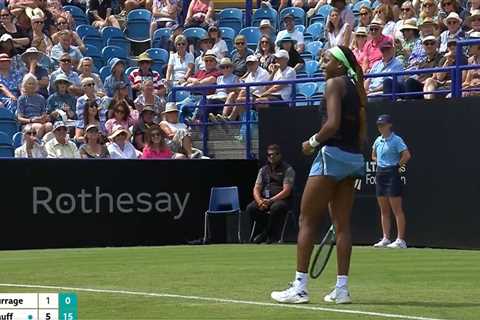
[100, 14]
[93, 148]
[164, 15]
[240, 54]
[66, 69]
[120, 96]
[472, 76]
[155, 145]
[410, 38]
[63, 46]
[117, 75]
[280, 71]
[61, 105]
[178, 135]
[358, 46]
[338, 32]
[365, 16]
[130, 5]
[429, 9]
[43, 8]
[10, 81]
[7, 46]
[295, 61]
[346, 14]
[427, 28]
[83, 102]
[20, 39]
[120, 146]
[32, 107]
[222, 96]
[85, 68]
[205, 44]
[33, 58]
[177, 30]
[266, 29]
[181, 63]
[448, 7]
[407, 13]
[31, 147]
[388, 63]
[120, 117]
[91, 116]
[144, 72]
[200, 14]
[377, 38]
[39, 39]
[272, 195]
[145, 121]
[443, 80]
[255, 74]
[265, 51]
[148, 98]
[454, 29]
[219, 45]
[474, 21]
[385, 13]
[60, 146]
[289, 21]
[63, 25]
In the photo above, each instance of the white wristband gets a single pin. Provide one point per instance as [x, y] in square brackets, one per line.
[313, 141]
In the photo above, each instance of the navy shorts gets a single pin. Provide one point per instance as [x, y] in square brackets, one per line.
[388, 182]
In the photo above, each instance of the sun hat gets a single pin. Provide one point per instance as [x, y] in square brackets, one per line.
[92, 126]
[409, 24]
[59, 124]
[452, 16]
[118, 129]
[33, 52]
[144, 57]
[5, 57]
[281, 54]
[61, 78]
[226, 62]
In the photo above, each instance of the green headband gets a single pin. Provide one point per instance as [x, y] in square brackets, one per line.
[340, 56]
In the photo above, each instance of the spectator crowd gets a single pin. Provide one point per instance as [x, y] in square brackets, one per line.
[66, 108]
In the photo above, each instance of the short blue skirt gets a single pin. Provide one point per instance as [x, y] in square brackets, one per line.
[338, 164]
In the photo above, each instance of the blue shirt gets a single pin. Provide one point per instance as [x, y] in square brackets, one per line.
[388, 150]
[58, 51]
[81, 104]
[72, 76]
[379, 67]
[31, 106]
[418, 53]
[56, 101]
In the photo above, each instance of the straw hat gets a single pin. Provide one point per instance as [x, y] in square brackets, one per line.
[144, 57]
[5, 57]
[31, 53]
[170, 107]
[473, 13]
[409, 24]
[452, 16]
[226, 62]
[35, 14]
[361, 31]
[377, 21]
[265, 23]
[118, 129]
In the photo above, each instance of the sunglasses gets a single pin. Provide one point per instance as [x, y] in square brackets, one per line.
[61, 22]
[240, 43]
[262, 42]
[66, 61]
[225, 67]
[272, 154]
[89, 85]
[31, 133]
[429, 43]
[156, 134]
[181, 44]
[452, 22]
[363, 14]
[119, 111]
[6, 15]
[405, 9]
[374, 29]
[428, 5]
[38, 22]
[209, 60]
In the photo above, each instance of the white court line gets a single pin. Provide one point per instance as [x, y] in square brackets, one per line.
[218, 300]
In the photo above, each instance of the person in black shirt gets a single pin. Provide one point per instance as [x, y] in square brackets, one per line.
[100, 13]
[272, 193]
[295, 61]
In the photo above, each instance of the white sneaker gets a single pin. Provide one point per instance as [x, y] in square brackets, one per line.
[339, 296]
[382, 243]
[398, 244]
[290, 295]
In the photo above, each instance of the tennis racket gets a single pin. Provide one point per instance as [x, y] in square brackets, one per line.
[323, 253]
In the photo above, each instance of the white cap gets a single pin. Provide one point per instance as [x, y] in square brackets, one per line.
[5, 37]
[429, 38]
[282, 54]
[265, 23]
[252, 58]
[452, 15]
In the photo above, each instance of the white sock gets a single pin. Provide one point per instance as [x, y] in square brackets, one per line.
[342, 281]
[300, 281]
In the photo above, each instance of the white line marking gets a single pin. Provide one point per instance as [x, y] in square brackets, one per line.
[218, 300]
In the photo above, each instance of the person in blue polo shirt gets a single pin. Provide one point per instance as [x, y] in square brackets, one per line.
[391, 154]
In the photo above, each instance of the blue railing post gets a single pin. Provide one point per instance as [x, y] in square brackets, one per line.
[248, 12]
[457, 74]
[185, 5]
[293, 96]
[248, 133]
[204, 124]
[394, 87]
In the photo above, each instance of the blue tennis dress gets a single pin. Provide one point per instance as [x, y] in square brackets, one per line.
[338, 164]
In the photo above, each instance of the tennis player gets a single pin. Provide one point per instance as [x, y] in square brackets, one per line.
[391, 154]
[331, 180]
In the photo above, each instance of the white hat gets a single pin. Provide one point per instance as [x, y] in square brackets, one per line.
[5, 37]
[210, 54]
[170, 107]
[452, 15]
[473, 13]
[252, 58]
[33, 52]
[377, 21]
[361, 31]
[265, 23]
[429, 38]
[116, 130]
[475, 34]
[282, 54]
[226, 62]
[35, 14]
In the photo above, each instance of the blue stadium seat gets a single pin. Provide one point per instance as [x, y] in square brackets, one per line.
[375, 5]
[5, 139]
[322, 14]
[228, 34]
[90, 36]
[306, 55]
[96, 55]
[223, 200]
[308, 88]
[6, 114]
[114, 52]
[312, 68]
[160, 37]
[317, 30]
[9, 127]
[105, 72]
[297, 13]
[17, 139]
[129, 70]
[301, 100]
[119, 42]
[112, 32]
[194, 33]
[6, 152]
[138, 25]
[232, 18]
[252, 34]
[300, 28]
[359, 4]
[265, 13]
[179, 96]
[78, 15]
[314, 47]
[85, 29]
[307, 37]
[158, 55]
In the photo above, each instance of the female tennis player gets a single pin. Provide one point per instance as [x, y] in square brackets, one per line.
[330, 184]
[391, 154]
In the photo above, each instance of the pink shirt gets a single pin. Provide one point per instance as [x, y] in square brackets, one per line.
[372, 49]
[111, 123]
[361, 55]
[154, 154]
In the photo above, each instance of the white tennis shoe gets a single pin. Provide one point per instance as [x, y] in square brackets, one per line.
[290, 295]
[398, 244]
[382, 243]
[339, 296]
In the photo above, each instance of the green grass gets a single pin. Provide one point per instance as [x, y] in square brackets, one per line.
[415, 282]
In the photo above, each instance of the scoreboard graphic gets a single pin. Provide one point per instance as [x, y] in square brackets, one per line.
[38, 306]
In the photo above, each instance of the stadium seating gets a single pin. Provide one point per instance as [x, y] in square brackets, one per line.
[194, 33]
[314, 47]
[317, 30]
[179, 96]
[110, 52]
[231, 17]
[359, 4]
[322, 14]
[228, 34]
[129, 70]
[78, 15]
[312, 68]
[300, 28]
[159, 57]
[252, 34]
[160, 37]
[297, 13]
[8, 124]
[6, 148]
[96, 55]
[104, 72]
[223, 200]
[90, 36]
[265, 13]
[17, 139]
[138, 25]
[306, 55]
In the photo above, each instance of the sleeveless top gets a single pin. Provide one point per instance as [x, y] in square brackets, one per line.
[346, 138]
[199, 7]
